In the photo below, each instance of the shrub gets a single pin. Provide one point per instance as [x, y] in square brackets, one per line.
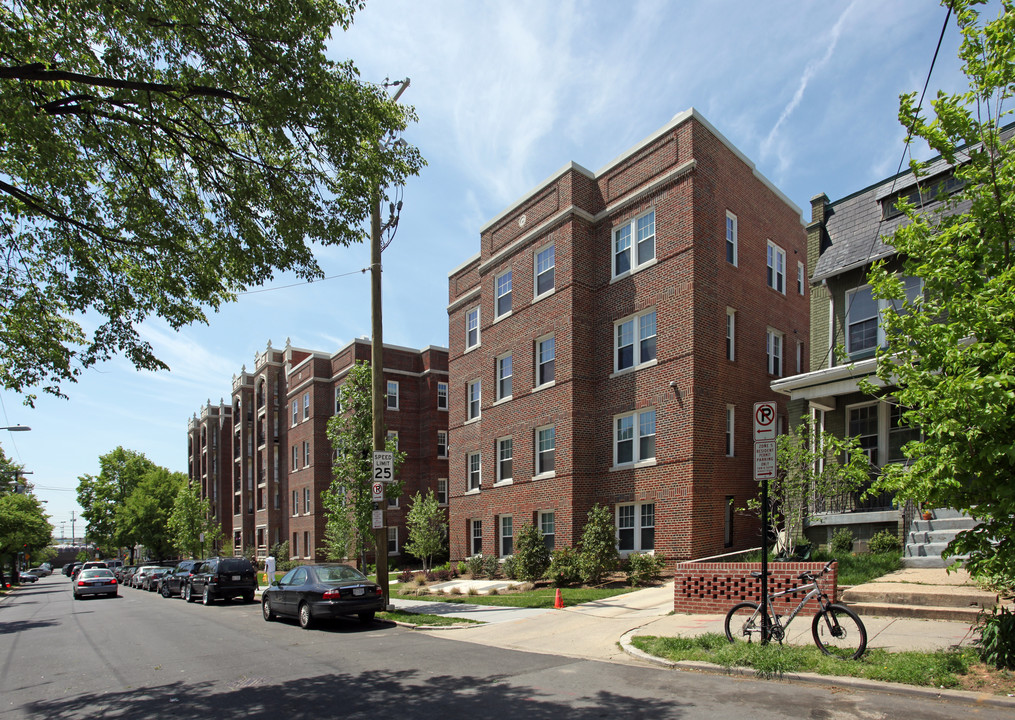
[405, 576]
[842, 542]
[532, 559]
[475, 565]
[883, 542]
[510, 567]
[462, 568]
[996, 641]
[644, 568]
[564, 568]
[490, 566]
[598, 553]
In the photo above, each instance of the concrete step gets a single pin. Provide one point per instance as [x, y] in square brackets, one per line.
[927, 561]
[926, 612]
[912, 595]
[938, 524]
[934, 536]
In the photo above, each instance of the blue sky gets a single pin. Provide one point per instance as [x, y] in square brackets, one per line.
[507, 92]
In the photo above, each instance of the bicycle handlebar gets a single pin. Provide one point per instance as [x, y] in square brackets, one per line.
[808, 575]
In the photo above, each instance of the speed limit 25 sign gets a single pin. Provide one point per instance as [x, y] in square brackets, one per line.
[384, 467]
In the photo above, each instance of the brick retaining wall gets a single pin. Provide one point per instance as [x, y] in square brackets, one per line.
[716, 587]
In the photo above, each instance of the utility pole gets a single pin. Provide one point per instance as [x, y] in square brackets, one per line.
[71, 527]
[378, 388]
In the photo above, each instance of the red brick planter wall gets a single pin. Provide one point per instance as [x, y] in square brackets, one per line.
[716, 587]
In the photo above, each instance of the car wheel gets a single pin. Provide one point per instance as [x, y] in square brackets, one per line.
[206, 597]
[76, 596]
[367, 617]
[248, 597]
[165, 590]
[266, 610]
[306, 619]
[188, 593]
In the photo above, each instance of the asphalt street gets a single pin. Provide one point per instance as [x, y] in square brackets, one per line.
[143, 656]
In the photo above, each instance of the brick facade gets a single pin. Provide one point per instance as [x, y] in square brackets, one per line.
[208, 459]
[677, 188]
[712, 588]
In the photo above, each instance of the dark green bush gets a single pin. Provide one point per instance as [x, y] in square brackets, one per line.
[598, 551]
[644, 568]
[842, 542]
[564, 567]
[883, 542]
[475, 565]
[531, 557]
[510, 567]
[491, 566]
[996, 641]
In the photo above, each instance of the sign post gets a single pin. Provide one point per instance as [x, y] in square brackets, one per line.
[765, 465]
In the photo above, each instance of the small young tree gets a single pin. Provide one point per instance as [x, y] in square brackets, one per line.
[347, 502]
[428, 528]
[598, 550]
[812, 464]
[532, 558]
[191, 527]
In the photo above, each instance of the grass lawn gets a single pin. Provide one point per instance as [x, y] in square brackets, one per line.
[955, 669]
[539, 598]
[425, 619]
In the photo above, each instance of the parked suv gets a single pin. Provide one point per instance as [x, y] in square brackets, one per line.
[222, 577]
[176, 582]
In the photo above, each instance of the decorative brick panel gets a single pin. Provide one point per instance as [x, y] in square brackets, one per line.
[716, 587]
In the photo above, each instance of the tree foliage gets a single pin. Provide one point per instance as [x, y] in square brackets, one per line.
[144, 516]
[951, 353]
[597, 554]
[532, 558]
[100, 496]
[427, 523]
[23, 526]
[347, 502]
[158, 157]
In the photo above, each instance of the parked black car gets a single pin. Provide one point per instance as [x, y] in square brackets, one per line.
[322, 592]
[219, 577]
[174, 583]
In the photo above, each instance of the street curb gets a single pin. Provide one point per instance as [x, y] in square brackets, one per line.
[849, 683]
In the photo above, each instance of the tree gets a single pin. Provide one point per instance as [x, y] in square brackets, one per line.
[347, 502]
[159, 157]
[532, 558]
[23, 527]
[144, 516]
[950, 353]
[192, 529]
[812, 464]
[120, 472]
[597, 554]
[428, 528]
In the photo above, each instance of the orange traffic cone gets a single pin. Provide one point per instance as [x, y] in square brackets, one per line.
[558, 602]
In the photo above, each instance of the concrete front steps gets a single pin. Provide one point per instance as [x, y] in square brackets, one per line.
[927, 539]
[928, 593]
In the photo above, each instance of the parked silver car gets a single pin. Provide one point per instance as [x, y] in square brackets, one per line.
[99, 581]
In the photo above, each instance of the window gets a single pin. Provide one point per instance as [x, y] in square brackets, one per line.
[296, 503]
[502, 303]
[442, 443]
[731, 238]
[863, 424]
[504, 377]
[635, 340]
[392, 502]
[392, 438]
[442, 491]
[773, 350]
[642, 233]
[296, 411]
[728, 522]
[863, 315]
[474, 394]
[636, 527]
[306, 454]
[800, 278]
[296, 458]
[306, 405]
[296, 545]
[546, 442]
[507, 536]
[545, 262]
[731, 333]
[776, 267]
[548, 526]
[306, 500]
[306, 543]
[392, 395]
[627, 448]
[799, 356]
[392, 540]
[546, 352]
[505, 459]
[472, 328]
[442, 396]
[898, 432]
[338, 400]
[477, 537]
[729, 430]
[475, 470]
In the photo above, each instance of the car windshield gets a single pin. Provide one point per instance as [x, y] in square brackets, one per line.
[339, 573]
[96, 573]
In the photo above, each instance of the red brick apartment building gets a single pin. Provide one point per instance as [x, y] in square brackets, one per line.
[274, 438]
[607, 345]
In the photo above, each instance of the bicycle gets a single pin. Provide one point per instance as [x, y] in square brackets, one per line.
[837, 630]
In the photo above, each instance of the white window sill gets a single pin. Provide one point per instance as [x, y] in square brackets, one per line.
[634, 270]
[635, 368]
[503, 400]
[472, 420]
[544, 386]
[440, 409]
[544, 476]
[502, 483]
[505, 316]
[634, 466]
[474, 347]
[442, 457]
[545, 295]
[474, 491]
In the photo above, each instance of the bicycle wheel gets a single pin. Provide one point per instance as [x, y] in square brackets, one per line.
[743, 623]
[838, 631]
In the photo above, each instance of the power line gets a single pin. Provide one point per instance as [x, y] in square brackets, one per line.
[301, 284]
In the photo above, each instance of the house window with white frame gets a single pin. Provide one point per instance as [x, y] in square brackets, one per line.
[548, 527]
[545, 261]
[502, 290]
[634, 244]
[863, 315]
[475, 395]
[472, 328]
[731, 238]
[306, 501]
[392, 437]
[392, 540]
[899, 433]
[393, 502]
[306, 543]
[296, 412]
[504, 377]
[729, 430]
[476, 544]
[635, 437]
[392, 395]
[773, 351]
[636, 527]
[442, 396]
[442, 491]
[731, 334]
[442, 443]
[306, 405]
[338, 400]
[295, 458]
[546, 444]
[507, 535]
[546, 353]
[634, 340]
[475, 469]
[776, 267]
[800, 278]
[296, 503]
[863, 424]
[505, 459]
[306, 454]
